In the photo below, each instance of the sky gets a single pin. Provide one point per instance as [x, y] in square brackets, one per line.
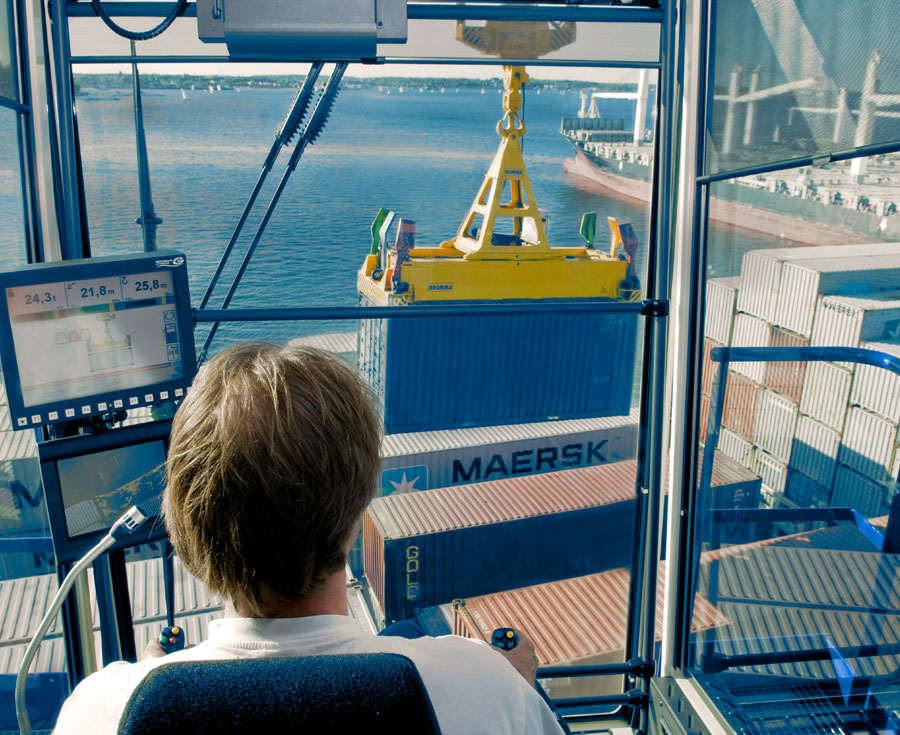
[433, 38]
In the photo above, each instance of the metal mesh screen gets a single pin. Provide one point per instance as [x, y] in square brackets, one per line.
[801, 77]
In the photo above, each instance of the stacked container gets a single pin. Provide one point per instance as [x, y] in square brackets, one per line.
[809, 428]
[429, 548]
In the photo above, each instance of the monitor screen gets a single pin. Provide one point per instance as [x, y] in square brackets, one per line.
[91, 480]
[98, 488]
[84, 338]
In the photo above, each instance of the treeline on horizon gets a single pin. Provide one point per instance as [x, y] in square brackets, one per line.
[122, 80]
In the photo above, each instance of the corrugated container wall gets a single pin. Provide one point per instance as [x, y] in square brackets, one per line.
[804, 492]
[733, 446]
[431, 459]
[786, 377]
[710, 368]
[775, 423]
[875, 388]
[868, 444]
[845, 321]
[750, 331]
[761, 271]
[773, 474]
[815, 451]
[853, 490]
[480, 371]
[428, 548]
[804, 281]
[741, 400]
[721, 295]
[826, 392]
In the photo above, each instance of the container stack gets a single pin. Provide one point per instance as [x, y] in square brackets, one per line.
[429, 548]
[819, 433]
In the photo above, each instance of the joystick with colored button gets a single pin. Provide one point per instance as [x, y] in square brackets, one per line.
[504, 639]
[171, 639]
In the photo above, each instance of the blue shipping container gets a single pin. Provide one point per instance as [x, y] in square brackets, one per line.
[455, 372]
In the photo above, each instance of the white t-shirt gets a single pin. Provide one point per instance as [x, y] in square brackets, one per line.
[472, 688]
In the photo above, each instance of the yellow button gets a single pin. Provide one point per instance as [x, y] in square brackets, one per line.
[509, 634]
[175, 631]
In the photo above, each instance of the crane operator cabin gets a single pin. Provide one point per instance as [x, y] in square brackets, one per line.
[581, 322]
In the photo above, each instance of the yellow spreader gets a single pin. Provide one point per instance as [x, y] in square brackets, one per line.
[500, 250]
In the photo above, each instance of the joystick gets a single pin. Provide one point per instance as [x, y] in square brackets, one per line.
[505, 639]
[171, 639]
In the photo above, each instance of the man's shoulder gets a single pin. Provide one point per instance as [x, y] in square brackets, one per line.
[97, 703]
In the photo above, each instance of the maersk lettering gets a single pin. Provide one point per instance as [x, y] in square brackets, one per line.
[521, 461]
[546, 456]
[496, 465]
[571, 454]
[525, 461]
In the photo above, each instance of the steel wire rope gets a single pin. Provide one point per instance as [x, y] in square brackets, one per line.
[177, 10]
[283, 137]
[311, 132]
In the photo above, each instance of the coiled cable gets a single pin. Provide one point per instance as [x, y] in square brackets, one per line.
[139, 35]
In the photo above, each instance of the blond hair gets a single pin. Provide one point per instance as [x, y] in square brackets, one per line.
[273, 458]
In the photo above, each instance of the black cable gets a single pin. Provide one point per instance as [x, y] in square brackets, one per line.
[177, 10]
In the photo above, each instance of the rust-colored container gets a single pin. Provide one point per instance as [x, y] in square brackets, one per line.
[571, 620]
[741, 402]
[704, 416]
[786, 377]
[710, 368]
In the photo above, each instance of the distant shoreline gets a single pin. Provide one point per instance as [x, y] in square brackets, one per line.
[226, 82]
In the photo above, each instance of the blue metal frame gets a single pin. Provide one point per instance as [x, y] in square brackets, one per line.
[723, 356]
[45, 273]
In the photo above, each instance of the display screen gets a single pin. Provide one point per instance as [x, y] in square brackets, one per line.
[98, 488]
[80, 338]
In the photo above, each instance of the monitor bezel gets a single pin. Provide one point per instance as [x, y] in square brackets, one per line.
[102, 403]
[69, 549]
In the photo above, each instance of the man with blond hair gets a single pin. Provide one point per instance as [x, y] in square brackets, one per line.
[273, 458]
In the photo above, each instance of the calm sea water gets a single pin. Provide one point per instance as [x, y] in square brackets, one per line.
[421, 154]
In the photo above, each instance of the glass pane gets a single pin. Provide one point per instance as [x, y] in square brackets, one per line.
[542, 407]
[7, 43]
[793, 79]
[795, 565]
[12, 223]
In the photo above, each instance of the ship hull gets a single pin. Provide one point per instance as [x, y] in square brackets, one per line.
[822, 225]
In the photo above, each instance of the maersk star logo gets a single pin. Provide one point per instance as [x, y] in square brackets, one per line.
[404, 480]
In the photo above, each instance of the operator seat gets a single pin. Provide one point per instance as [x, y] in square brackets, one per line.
[353, 693]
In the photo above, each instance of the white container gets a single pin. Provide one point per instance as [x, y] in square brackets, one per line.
[804, 492]
[431, 459]
[761, 271]
[875, 388]
[852, 490]
[773, 474]
[721, 295]
[815, 451]
[736, 447]
[826, 392]
[775, 424]
[868, 444]
[804, 281]
[750, 331]
[845, 321]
